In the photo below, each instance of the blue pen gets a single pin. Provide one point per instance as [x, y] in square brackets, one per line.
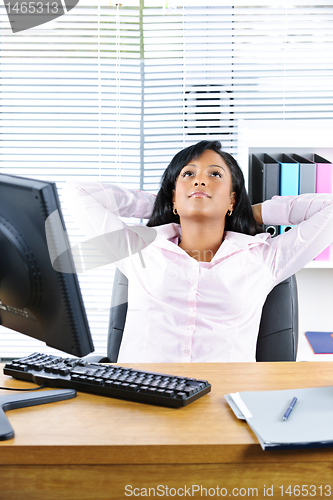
[289, 409]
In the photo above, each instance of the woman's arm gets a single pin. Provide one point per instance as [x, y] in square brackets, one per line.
[292, 210]
[312, 216]
[256, 210]
[96, 207]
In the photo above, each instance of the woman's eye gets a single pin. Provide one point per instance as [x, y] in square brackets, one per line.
[188, 173]
[184, 174]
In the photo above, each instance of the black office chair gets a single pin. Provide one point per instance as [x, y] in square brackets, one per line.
[278, 331]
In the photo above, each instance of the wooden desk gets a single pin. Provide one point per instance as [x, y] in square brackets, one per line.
[91, 447]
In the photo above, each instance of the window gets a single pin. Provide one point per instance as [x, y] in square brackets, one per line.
[113, 92]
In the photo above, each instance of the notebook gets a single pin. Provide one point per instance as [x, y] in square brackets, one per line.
[320, 342]
[308, 426]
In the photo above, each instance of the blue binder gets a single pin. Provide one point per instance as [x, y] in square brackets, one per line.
[289, 179]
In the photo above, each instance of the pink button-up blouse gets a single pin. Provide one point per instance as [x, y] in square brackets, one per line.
[182, 310]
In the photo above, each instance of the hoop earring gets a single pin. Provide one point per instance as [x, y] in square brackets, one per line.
[175, 211]
[229, 213]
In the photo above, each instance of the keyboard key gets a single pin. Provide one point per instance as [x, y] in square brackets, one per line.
[116, 384]
[64, 371]
[98, 381]
[169, 393]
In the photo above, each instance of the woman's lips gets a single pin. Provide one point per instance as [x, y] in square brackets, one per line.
[199, 194]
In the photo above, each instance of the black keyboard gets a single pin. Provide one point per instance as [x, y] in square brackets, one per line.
[108, 380]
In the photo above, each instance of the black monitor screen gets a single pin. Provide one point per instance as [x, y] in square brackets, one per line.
[36, 299]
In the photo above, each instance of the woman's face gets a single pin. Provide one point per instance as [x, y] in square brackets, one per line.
[204, 188]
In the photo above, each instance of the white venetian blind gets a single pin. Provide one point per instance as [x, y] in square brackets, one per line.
[71, 106]
[242, 60]
[113, 92]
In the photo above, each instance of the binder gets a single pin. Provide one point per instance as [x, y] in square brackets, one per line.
[265, 182]
[323, 185]
[324, 174]
[307, 174]
[320, 342]
[289, 179]
[308, 426]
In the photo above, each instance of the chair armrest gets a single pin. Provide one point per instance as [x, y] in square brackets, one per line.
[95, 358]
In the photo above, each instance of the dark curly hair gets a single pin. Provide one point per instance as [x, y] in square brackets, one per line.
[241, 221]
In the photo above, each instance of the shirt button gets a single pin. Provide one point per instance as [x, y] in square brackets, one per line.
[189, 327]
[186, 351]
[192, 310]
[193, 287]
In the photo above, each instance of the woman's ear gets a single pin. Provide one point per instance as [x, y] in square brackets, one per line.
[233, 200]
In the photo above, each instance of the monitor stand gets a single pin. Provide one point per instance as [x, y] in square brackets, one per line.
[14, 401]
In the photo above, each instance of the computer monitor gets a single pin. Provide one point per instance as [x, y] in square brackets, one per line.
[36, 299]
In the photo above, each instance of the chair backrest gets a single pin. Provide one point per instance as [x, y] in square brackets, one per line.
[278, 331]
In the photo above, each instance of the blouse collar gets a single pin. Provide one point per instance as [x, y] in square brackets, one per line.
[169, 236]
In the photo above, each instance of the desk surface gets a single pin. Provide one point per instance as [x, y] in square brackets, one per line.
[94, 448]
[206, 431]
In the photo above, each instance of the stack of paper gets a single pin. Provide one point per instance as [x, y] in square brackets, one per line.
[309, 424]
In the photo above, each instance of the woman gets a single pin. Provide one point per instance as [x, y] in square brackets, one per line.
[205, 268]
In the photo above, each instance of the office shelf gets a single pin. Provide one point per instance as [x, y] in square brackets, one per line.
[320, 264]
[315, 291]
